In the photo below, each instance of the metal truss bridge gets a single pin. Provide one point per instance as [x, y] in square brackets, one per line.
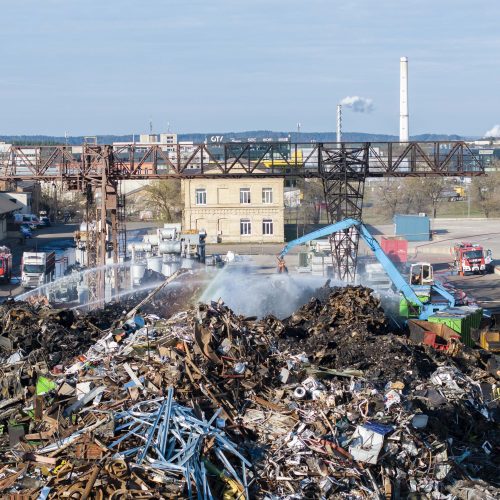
[342, 168]
[83, 164]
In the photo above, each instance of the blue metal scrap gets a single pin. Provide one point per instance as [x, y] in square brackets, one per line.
[171, 440]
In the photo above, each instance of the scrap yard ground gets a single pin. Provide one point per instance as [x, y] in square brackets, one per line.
[170, 403]
[290, 389]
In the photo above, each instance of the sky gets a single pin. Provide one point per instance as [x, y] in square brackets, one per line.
[89, 67]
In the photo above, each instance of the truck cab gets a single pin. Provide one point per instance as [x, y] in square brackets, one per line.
[5, 264]
[469, 258]
[37, 268]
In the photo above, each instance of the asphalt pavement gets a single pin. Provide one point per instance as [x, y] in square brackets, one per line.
[54, 237]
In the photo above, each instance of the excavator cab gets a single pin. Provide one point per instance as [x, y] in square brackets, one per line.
[421, 273]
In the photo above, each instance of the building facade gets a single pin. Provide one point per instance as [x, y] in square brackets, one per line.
[242, 210]
[8, 206]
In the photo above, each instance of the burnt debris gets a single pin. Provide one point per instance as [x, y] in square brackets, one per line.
[164, 402]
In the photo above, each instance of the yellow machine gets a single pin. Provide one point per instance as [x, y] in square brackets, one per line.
[295, 158]
[490, 341]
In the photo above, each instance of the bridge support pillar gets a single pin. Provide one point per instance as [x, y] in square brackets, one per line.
[343, 172]
[105, 220]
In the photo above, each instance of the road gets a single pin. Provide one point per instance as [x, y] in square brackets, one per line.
[54, 237]
[446, 232]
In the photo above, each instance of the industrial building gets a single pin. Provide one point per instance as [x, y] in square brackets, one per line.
[8, 206]
[246, 210]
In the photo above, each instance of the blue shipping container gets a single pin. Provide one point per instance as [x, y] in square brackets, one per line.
[412, 227]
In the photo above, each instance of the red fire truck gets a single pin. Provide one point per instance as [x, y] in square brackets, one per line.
[5, 264]
[469, 258]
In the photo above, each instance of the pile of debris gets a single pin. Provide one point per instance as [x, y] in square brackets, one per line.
[37, 333]
[328, 403]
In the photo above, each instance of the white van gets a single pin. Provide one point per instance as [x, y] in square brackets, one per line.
[30, 219]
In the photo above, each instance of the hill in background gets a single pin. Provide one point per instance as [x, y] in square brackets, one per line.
[227, 136]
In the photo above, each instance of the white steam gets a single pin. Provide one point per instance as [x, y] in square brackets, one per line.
[358, 104]
[250, 292]
[494, 132]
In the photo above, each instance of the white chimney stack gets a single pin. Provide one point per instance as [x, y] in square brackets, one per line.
[339, 123]
[404, 132]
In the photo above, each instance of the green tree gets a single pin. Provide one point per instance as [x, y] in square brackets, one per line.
[165, 199]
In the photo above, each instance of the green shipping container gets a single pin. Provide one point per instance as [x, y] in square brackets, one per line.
[459, 320]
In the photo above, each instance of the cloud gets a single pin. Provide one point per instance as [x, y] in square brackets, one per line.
[358, 104]
[494, 132]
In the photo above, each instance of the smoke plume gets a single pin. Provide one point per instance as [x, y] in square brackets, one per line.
[494, 132]
[358, 104]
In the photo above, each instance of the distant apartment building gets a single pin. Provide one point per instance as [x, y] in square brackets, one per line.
[242, 210]
[163, 139]
[488, 151]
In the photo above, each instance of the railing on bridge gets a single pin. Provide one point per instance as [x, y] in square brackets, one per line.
[239, 159]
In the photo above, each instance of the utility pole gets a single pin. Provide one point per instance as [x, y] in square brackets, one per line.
[468, 200]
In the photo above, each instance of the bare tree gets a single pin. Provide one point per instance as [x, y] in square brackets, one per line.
[424, 193]
[165, 199]
[313, 198]
[390, 196]
[486, 193]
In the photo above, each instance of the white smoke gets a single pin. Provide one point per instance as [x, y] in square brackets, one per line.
[494, 132]
[358, 104]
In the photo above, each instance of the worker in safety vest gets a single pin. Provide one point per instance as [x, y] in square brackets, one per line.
[282, 266]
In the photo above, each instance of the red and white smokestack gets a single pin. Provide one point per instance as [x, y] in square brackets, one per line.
[404, 131]
[339, 123]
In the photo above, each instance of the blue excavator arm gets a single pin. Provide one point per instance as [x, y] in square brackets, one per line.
[320, 233]
[395, 276]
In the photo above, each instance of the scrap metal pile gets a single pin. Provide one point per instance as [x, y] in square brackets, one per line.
[327, 403]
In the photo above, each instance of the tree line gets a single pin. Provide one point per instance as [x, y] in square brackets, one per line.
[428, 194]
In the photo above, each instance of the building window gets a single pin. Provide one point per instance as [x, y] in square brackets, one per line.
[245, 226]
[201, 196]
[267, 195]
[244, 195]
[267, 226]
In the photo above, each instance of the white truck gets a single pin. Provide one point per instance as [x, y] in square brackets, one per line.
[38, 268]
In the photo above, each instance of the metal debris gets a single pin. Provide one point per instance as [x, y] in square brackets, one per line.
[328, 403]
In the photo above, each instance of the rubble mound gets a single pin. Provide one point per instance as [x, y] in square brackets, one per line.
[42, 333]
[328, 403]
[348, 328]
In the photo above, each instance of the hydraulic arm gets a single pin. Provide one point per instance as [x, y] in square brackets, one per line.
[426, 309]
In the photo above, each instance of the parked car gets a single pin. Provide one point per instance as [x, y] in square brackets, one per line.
[45, 221]
[30, 219]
